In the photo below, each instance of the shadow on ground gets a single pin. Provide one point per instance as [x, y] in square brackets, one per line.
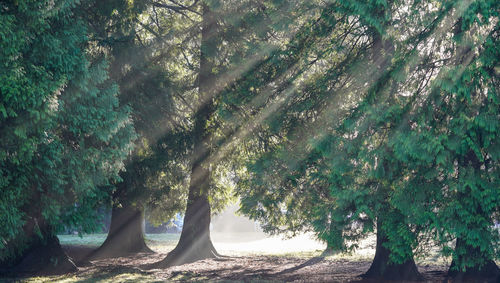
[232, 269]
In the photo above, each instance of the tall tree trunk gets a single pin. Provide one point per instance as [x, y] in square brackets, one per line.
[126, 233]
[489, 272]
[195, 243]
[381, 267]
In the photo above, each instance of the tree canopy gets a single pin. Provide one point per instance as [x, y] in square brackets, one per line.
[341, 118]
[64, 133]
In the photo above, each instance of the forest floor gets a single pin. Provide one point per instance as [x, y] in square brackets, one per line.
[257, 260]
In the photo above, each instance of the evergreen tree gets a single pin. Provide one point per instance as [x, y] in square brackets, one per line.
[344, 182]
[153, 174]
[64, 135]
[225, 53]
[449, 147]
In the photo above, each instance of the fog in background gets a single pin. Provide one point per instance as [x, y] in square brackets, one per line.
[235, 234]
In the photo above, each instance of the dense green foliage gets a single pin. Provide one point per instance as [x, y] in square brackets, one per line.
[454, 148]
[64, 134]
[155, 165]
[391, 134]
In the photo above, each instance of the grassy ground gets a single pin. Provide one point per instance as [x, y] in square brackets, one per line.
[254, 244]
[93, 240]
[235, 244]
[113, 277]
[158, 242]
[253, 258]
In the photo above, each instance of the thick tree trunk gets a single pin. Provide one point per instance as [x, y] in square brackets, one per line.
[195, 243]
[45, 258]
[43, 255]
[126, 233]
[489, 272]
[36, 251]
[382, 269]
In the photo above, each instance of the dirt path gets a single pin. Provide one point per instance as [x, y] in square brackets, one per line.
[240, 269]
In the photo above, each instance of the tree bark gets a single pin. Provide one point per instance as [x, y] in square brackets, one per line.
[195, 243]
[126, 233]
[381, 267]
[42, 256]
[489, 272]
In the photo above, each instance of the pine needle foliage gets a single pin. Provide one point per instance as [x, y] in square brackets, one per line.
[64, 134]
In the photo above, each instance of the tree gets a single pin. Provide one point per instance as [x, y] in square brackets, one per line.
[195, 242]
[344, 178]
[65, 134]
[453, 130]
[152, 171]
[224, 54]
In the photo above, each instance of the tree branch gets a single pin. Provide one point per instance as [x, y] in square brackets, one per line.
[178, 8]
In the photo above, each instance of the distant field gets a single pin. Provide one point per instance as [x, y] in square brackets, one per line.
[228, 243]
[158, 242]
[85, 240]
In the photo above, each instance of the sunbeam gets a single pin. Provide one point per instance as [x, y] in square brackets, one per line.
[243, 140]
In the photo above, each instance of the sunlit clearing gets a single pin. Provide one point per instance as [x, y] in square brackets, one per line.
[275, 245]
[237, 235]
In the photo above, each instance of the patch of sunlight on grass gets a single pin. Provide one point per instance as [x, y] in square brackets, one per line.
[165, 238]
[188, 276]
[162, 243]
[105, 278]
[123, 277]
[97, 239]
[237, 244]
[353, 256]
[46, 279]
[31, 279]
[300, 254]
[86, 240]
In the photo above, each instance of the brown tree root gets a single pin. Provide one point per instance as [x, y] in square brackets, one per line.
[488, 273]
[45, 258]
[126, 234]
[383, 269]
